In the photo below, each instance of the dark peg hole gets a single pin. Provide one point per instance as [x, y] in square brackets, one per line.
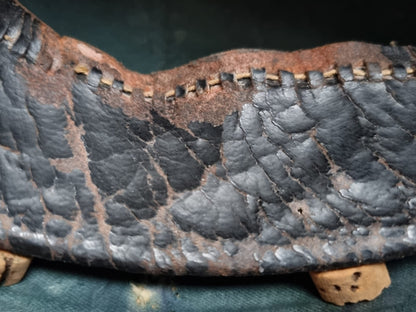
[300, 210]
[337, 288]
[356, 276]
[354, 288]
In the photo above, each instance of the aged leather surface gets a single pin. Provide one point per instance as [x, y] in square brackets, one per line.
[244, 162]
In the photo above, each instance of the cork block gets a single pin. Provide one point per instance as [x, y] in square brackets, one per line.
[12, 267]
[352, 285]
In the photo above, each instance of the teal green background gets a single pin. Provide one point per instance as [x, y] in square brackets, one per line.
[155, 35]
[62, 287]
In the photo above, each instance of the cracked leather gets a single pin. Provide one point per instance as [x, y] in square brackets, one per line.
[243, 175]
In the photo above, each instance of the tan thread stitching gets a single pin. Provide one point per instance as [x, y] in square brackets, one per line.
[191, 88]
[272, 77]
[127, 88]
[214, 82]
[106, 81]
[386, 72]
[170, 93]
[359, 73]
[240, 76]
[82, 69]
[330, 73]
[300, 76]
[148, 94]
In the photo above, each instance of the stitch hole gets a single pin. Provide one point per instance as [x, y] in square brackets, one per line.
[226, 77]
[245, 83]
[273, 81]
[331, 77]
[180, 91]
[331, 81]
[399, 72]
[81, 77]
[118, 84]
[303, 84]
[126, 92]
[201, 85]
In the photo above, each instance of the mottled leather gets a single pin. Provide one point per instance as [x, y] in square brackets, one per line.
[202, 170]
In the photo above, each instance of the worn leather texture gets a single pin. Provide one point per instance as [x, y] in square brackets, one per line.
[283, 173]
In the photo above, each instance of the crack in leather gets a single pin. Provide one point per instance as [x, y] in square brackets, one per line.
[268, 175]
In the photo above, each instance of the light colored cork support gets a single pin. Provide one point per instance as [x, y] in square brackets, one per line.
[12, 268]
[352, 285]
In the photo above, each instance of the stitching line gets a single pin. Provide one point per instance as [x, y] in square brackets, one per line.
[359, 73]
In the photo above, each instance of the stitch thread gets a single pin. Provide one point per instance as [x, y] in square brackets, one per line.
[148, 94]
[386, 72]
[271, 77]
[300, 76]
[214, 82]
[106, 81]
[127, 88]
[244, 76]
[82, 69]
[170, 93]
[359, 73]
[330, 73]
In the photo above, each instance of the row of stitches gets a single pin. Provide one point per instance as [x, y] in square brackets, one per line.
[201, 85]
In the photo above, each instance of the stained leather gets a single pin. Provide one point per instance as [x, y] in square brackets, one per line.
[305, 174]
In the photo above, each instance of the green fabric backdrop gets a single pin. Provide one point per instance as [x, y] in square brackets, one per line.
[154, 35]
